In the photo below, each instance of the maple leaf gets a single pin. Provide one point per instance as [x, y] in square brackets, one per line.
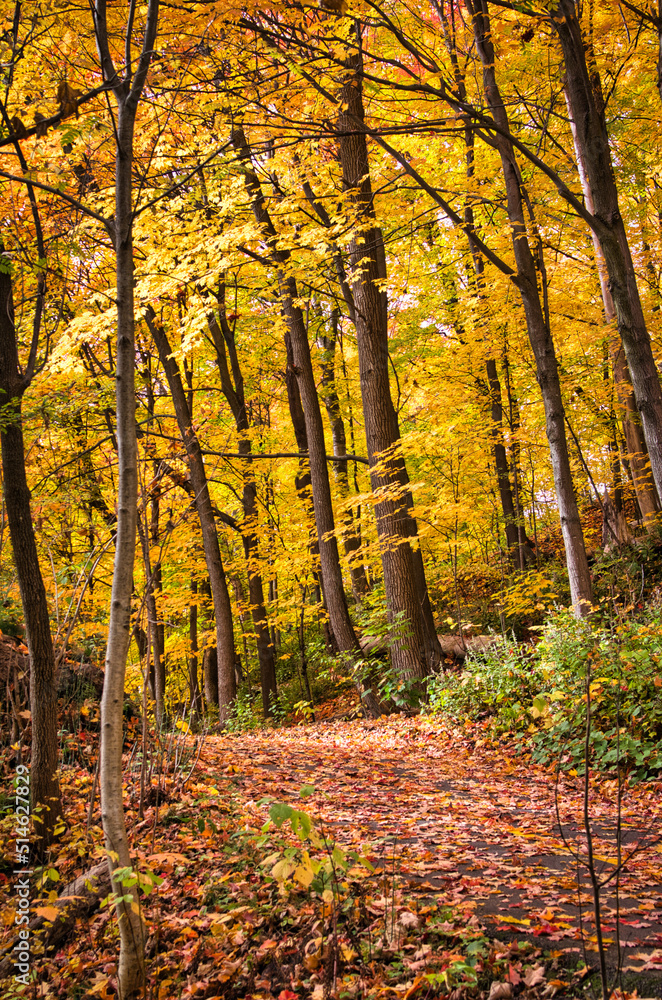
[534, 975]
[500, 991]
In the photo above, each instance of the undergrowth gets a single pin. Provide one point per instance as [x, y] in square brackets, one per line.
[538, 692]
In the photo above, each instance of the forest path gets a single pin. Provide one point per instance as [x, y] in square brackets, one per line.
[464, 821]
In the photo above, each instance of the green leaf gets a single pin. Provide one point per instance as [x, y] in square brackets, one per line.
[279, 812]
[301, 824]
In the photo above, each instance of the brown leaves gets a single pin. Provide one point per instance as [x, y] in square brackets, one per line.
[334, 6]
[18, 128]
[67, 98]
[39, 121]
[535, 975]
[473, 824]
[220, 924]
[500, 991]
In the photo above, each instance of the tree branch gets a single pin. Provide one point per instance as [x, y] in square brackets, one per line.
[286, 454]
[106, 223]
[46, 123]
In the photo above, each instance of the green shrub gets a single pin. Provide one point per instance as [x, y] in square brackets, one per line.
[11, 618]
[500, 684]
[245, 713]
[623, 660]
[540, 692]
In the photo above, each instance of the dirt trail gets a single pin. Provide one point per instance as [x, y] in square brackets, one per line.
[467, 822]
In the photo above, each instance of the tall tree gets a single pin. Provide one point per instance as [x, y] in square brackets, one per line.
[351, 528]
[225, 649]
[332, 582]
[637, 452]
[14, 381]
[351, 532]
[16, 376]
[128, 86]
[587, 107]
[537, 321]
[514, 529]
[402, 561]
[232, 386]
[149, 535]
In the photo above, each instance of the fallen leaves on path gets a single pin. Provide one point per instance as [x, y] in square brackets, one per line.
[467, 821]
[444, 841]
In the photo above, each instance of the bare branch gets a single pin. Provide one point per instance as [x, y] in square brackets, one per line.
[106, 223]
[286, 454]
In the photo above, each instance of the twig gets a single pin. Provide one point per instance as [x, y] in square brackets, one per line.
[590, 864]
[95, 785]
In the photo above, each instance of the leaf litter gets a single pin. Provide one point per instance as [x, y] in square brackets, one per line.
[397, 858]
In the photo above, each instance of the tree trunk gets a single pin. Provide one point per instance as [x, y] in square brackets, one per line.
[154, 538]
[350, 531]
[233, 390]
[324, 520]
[537, 324]
[227, 687]
[642, 476]
[402, 562]
[586, 103]
[210, 675]
[44, 785]
[128, 88]
[334, 592]
[76, 903]
[131, 967]
[523, 551]
[512, 528]
[158, 664]
[501, 464]
[302, 480]
[193, 682]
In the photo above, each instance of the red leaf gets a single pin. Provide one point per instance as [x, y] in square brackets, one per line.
[513, 976]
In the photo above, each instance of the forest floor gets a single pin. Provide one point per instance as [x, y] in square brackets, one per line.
[451, 878]
[457, 820]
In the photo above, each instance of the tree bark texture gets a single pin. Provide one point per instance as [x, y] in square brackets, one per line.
[302, 480]
[642, 476]
[227, 687]
[402, 561]
[157, 673]
[45, 789]
[311, 430]
[584, 95]
[303, 483]
[350, 530]
[210, 675]
[195, 696]
[547, 372]
[513, 530]
[131, 967]
[324, 520]
[76, 903]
